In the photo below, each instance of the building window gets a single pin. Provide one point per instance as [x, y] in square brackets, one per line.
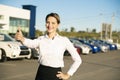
[15, 22]
[19, 22]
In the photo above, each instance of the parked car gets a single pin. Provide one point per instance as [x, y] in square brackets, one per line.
[112, 46]
[118, 45]
[85, 48]
[12, 49]
[103, 47]
[94, 48]
[66, 53]
[35, 53]
[79, 50]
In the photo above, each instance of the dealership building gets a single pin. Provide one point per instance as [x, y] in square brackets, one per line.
[11, 18]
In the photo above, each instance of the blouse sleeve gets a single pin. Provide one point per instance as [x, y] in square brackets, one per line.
[75, 56]
[31, 43]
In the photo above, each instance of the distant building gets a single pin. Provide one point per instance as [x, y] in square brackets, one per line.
[12, 17]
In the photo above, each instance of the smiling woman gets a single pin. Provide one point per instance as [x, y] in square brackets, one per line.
[51, 51]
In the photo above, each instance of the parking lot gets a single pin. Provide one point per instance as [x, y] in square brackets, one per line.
[99, 66]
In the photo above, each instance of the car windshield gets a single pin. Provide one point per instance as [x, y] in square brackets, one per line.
[76, 41]
[6, 37]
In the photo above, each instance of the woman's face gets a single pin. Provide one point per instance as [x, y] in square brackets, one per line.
[51, 24]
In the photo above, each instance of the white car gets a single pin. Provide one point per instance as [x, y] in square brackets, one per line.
[118, 45]
[11, 49]
[104, 48]
[85, 49]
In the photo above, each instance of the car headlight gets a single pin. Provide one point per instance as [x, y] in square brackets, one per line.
[95, 47]
[113, 45]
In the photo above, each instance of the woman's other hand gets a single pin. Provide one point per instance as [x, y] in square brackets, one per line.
[63, 76]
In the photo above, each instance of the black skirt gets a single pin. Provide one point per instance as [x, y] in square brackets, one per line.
[47, 73]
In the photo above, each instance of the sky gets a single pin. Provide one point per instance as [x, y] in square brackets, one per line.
[80, 14]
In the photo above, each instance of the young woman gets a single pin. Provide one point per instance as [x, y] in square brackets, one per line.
[51, 47]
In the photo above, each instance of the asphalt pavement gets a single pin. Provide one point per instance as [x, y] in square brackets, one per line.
[100, 66]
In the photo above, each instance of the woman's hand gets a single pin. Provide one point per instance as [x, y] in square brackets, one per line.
[63, 76]
[19, 36]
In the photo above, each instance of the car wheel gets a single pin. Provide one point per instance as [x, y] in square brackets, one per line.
[3, 56]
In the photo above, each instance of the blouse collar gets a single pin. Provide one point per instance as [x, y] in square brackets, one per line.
[53, 37]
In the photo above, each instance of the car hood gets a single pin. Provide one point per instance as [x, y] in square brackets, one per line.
[10, 42]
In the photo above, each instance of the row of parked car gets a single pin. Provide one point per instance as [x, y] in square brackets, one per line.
[85, 46]
[12, 49]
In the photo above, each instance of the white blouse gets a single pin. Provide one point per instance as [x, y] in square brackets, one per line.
[51, 51]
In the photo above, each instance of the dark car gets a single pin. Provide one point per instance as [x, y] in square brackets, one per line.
[35, 53]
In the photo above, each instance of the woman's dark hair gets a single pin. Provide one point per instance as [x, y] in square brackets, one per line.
[55, 15]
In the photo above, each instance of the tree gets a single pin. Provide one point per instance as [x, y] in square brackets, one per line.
[94, 30]
[38, 33]
[72, 29]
